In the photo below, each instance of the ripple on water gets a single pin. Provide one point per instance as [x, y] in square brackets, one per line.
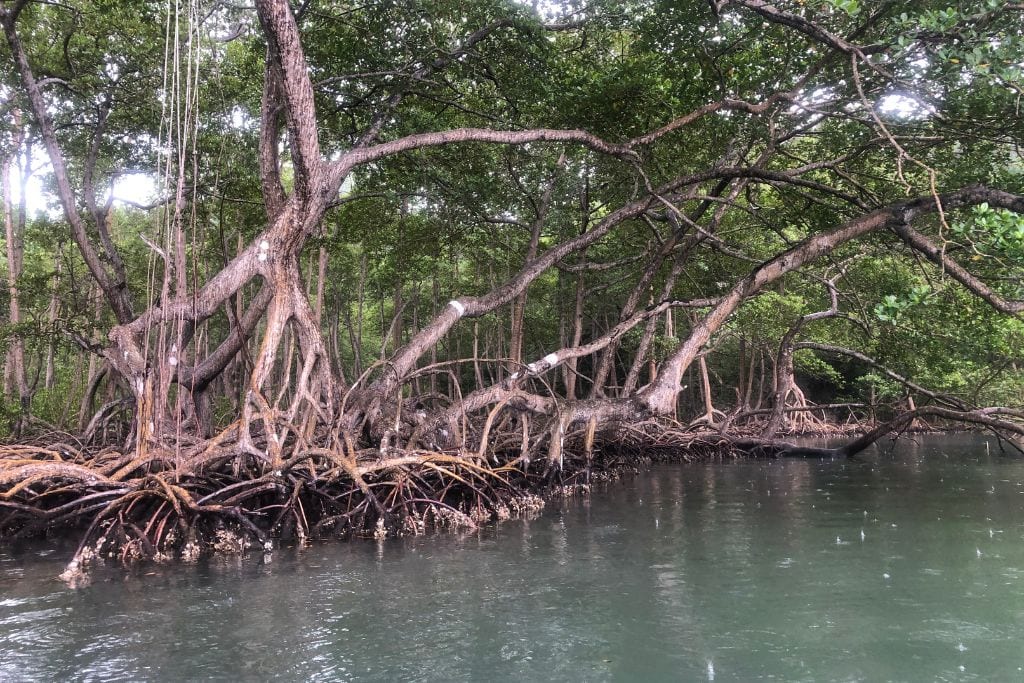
[13, 602]
[38, 616]
[955, 632]
[591, 591]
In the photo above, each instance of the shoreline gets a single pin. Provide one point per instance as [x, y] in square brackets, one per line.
[167, 515]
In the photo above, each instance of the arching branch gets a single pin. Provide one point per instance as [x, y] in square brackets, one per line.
[938, 256]
[946, 399]
[660, 396]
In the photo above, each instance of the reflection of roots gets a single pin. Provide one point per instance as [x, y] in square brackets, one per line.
[221, 497]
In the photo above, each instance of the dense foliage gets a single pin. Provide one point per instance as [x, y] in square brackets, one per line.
[929, 101]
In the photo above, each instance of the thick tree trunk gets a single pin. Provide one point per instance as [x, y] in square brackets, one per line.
[606, 359]
[784, 383]
[987, 417]
[742, 395]
[633, 376]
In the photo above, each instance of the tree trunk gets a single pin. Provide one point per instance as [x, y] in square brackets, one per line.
[519, 305]
[15, 258]
[705, 390]
[577, 337]
[784, 383]
[659, 397]
[52, 312]
[742, 396]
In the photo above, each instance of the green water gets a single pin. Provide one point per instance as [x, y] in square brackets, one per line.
[906, 564]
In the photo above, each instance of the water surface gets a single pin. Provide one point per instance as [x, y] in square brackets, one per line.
[905, 564]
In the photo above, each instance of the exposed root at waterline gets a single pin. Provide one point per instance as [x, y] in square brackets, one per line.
[224, 497]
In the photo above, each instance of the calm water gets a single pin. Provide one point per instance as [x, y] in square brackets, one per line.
[907, 564]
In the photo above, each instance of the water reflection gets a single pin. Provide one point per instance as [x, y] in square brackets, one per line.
[729, 570]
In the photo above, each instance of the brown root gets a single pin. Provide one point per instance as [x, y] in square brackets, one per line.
[225, 496]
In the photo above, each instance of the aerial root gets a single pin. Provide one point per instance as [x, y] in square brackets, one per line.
[167, 505]
[221, 496]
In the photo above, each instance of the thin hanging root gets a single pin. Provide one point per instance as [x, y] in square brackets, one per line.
[588, 442]
[149, 548]
[288, 507]
[301, 523]
[524, 444]
[556, 442]
[158, 535]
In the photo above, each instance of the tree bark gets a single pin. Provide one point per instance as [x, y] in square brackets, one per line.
[15, 259]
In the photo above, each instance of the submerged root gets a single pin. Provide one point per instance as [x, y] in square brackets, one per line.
[224, 497]
[180, 505]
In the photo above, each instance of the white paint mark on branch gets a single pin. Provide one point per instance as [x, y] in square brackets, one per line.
[459, 308]
[544, 363]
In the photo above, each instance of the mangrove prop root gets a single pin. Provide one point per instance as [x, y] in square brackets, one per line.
[220, 497]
